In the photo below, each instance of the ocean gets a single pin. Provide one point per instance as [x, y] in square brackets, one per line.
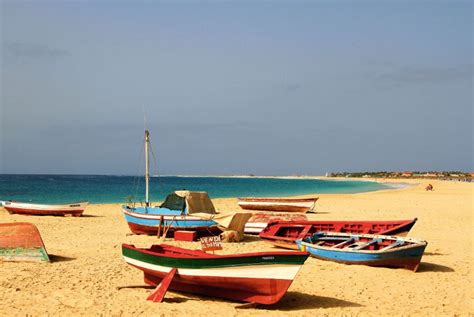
[117, 189]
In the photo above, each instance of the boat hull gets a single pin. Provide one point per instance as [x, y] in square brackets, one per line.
[408, 259]
[21, 241]
[259, 221]
[243, 278]
[284, 233]
[148, 224]
[277, 204]
[153, 230]
[407, 256]
[75, 209]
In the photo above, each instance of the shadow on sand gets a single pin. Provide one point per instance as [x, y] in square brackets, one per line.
[251, 238]
[58, 258]
[434, 253]
[431, 267]
[175, 300]
[297, 301]
[91, 216]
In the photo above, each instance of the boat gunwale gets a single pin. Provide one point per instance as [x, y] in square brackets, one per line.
[199, 254]
[415, 243]
[11, 204]
[305, 224]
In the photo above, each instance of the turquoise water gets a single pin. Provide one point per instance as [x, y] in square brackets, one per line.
[116, 189]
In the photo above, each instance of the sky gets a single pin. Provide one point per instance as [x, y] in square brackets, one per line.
[236, 87]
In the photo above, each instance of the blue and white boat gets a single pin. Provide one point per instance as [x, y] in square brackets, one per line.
[182, 210]
[367, 249]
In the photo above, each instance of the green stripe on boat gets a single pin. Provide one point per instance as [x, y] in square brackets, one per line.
[198, 263]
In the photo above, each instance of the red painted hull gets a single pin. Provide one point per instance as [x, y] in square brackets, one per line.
[37, 212]
[149, 230]
[255, 290]
[285, 233]
[21, 241]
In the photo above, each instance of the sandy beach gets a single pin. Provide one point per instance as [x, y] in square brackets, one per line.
[87, 266]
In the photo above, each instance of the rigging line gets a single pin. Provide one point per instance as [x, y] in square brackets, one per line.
[160, 181]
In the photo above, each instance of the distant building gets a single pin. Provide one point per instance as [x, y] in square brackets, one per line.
[407, 174]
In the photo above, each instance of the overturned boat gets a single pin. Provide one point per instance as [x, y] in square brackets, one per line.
[21, 241]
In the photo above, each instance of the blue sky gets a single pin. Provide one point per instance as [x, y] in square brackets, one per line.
[282, 87]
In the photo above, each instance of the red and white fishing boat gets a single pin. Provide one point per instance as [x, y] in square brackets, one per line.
[278, 204]
[262, 277]
[73, 209]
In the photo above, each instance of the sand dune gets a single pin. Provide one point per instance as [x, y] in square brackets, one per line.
[87, 265]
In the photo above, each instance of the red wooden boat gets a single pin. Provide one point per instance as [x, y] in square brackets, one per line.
[278, 204]
[285, 233]
[74, 209]
[262, 277]
[21, 241]
[259, 221]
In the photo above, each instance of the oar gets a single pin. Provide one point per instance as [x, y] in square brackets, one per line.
[159, 293]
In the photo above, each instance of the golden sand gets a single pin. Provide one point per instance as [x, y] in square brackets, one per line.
[87, 266]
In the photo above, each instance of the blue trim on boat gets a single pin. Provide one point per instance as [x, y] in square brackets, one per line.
[156, 211]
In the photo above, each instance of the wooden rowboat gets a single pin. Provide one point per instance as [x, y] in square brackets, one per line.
[259, 221]
[366, 249]
[73, 209]
[262, 277]
[278, 204]
[21, 241]
[285, 233]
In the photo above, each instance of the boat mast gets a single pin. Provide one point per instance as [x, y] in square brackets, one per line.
[147, 168]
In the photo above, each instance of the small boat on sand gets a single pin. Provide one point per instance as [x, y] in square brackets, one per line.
[181, 210]
[285, 233]
[260, 220]
[278, 204]
[21, 241]
[367, 249]
[73, 209]
[262, 277]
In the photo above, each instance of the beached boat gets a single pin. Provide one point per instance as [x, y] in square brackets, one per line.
[262, 277]
[21, 241]
[259, 221]
[278, 204]
[73, 209]
[285, 233]
[367, 249]
[182, 210]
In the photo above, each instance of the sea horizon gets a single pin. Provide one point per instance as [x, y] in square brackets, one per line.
[62, 188]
